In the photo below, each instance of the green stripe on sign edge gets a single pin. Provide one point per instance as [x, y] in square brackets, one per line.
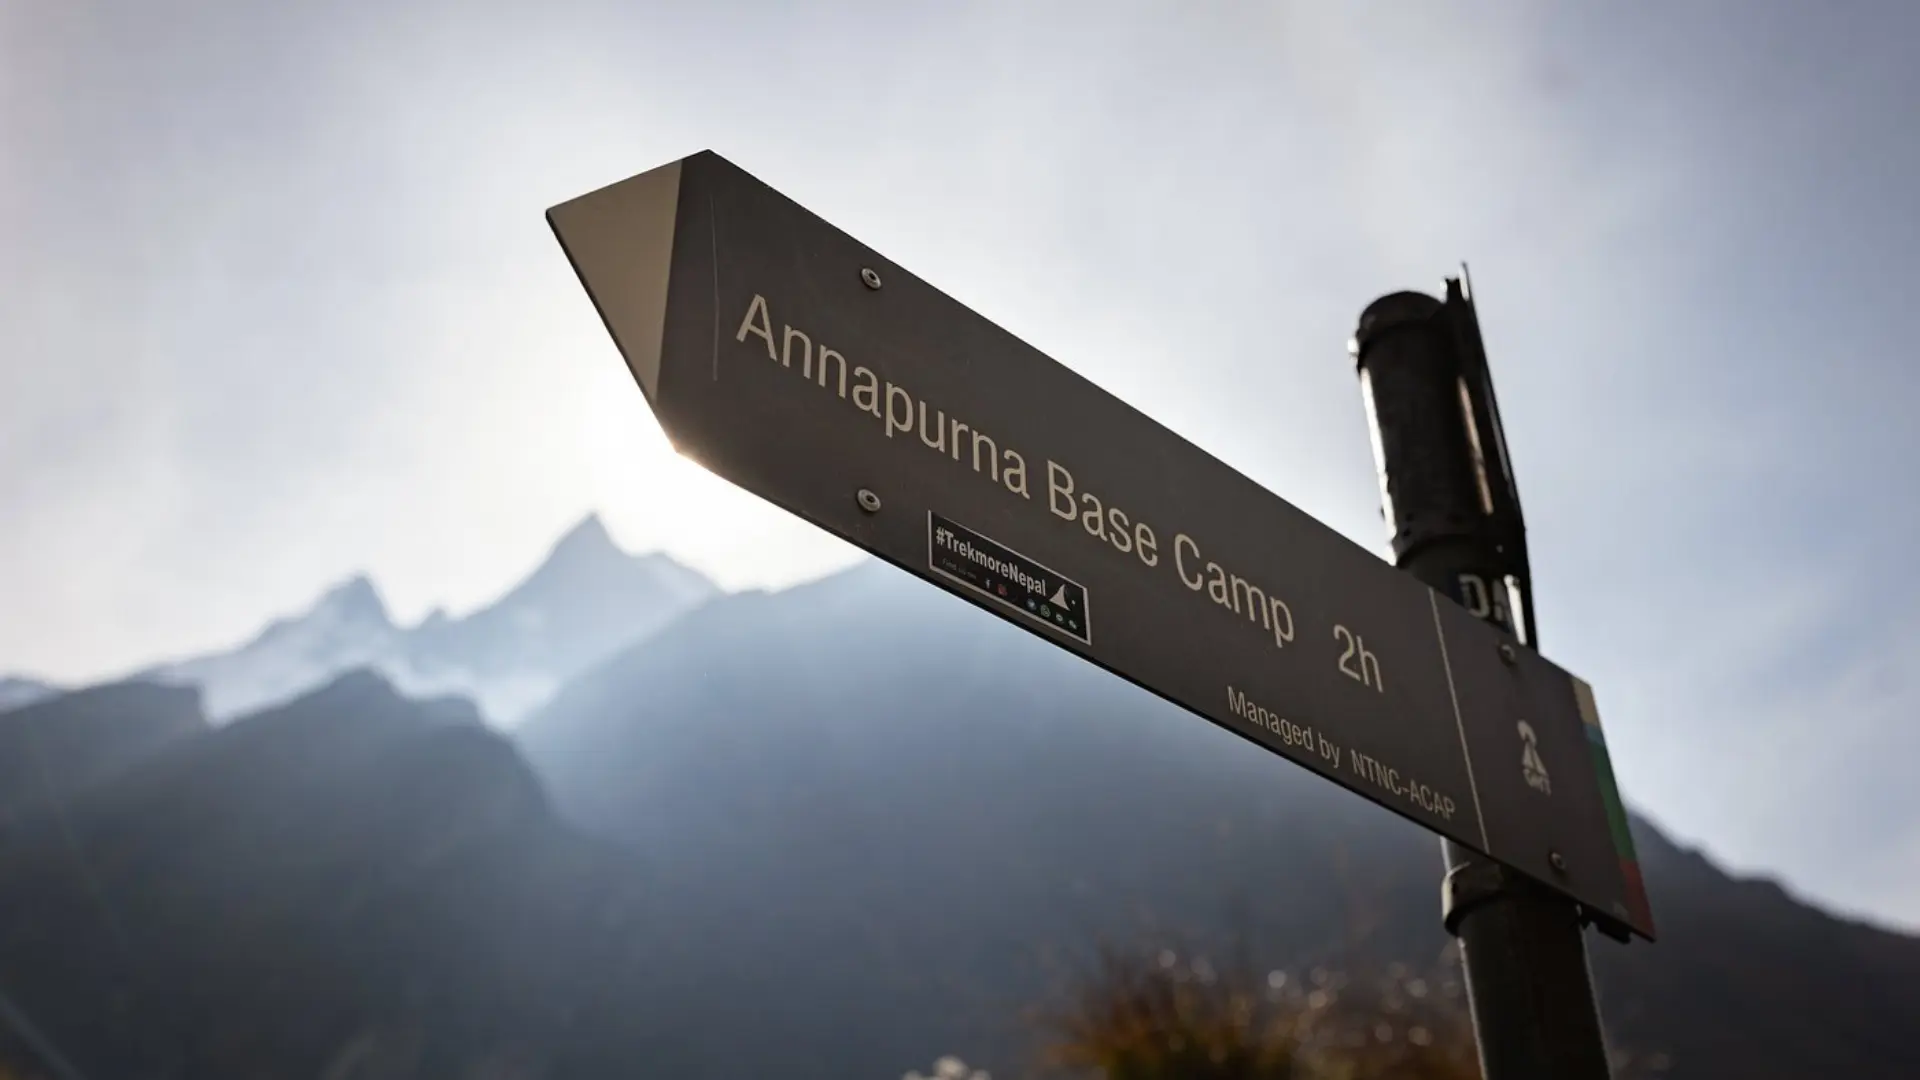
[1610, 795]
[1603, 771]
[1638, 908]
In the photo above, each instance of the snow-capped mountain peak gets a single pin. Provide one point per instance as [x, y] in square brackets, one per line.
[347, 628]
[588, 560]
[588, 599]
[587, 541]
[351, 610]
[355, 600]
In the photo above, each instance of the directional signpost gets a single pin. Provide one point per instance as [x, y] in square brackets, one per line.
[1452, 504]
[790, 359]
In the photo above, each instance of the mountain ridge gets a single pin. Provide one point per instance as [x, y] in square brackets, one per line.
[909, 772]
[17, 691]
[859, 818]
[56, 747]
[585, 599]
[351, 884]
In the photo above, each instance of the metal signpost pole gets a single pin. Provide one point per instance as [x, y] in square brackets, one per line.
[1449, 498]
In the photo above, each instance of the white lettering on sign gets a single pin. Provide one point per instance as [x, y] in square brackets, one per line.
[1291, 734]
[1396, 783]
[899, 414]
[892, 404]
[1358, 663]
[1533, 768]
[1231, 591]
[1006, 568]
[1375, 772]
[1101, 522]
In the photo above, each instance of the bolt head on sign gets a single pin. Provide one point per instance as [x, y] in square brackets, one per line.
[901, 421]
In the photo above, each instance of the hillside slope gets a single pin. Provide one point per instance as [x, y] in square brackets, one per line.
[901, 771]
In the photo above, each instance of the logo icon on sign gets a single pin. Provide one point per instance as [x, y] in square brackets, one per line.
[1532, 766]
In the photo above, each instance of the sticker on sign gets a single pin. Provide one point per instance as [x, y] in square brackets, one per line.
[787, 357]
[1000, 573]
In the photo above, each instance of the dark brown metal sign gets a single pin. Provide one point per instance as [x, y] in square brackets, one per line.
[787, 357]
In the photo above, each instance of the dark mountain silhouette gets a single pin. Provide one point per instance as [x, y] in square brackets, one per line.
[836, 831]
[587, 600]
[899, 801]
[16, 691]
[353, 885]
[62, 744]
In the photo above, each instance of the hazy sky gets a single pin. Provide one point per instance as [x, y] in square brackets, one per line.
[278, 304]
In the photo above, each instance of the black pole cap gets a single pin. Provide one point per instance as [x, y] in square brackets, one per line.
[1394, 311]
